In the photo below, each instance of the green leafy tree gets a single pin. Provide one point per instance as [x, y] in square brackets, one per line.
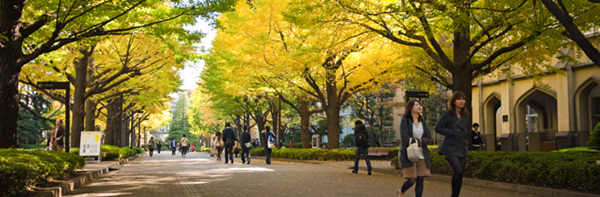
[179, 123]
[371, 107]
[29, 29]
[32, 121]
[594, 141]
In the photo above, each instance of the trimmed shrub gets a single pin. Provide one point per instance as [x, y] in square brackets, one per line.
[594, 141]
[577, 149]
[564, 170]
[307, 154]
[111, 153]
[21, 169]
[204, 150]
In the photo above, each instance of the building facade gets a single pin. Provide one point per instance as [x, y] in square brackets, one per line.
[522, 115]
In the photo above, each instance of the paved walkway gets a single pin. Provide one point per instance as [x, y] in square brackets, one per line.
[201, 175]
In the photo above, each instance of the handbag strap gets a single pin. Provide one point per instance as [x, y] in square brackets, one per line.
[458, 121]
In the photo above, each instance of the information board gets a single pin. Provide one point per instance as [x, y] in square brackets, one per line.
[90, 143]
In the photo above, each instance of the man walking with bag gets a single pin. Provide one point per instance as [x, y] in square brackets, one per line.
[56, 137]
[173, 146]
[361, 136]
[246, 145]
[230, 138]
[185, 144]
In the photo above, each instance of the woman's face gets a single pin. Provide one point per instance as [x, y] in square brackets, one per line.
[417, 108]
[460, 103]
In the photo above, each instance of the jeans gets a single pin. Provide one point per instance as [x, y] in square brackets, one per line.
[245, 152]
[184, 150]
[228, 153]
[268, 155]
[151, 150]
[365, 153]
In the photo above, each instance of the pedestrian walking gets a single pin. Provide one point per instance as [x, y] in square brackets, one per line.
[158, 146]
[246, 145]
[185, 144]
[270, 139]
[361, 137]
[173, 146]
[213, 150]
[290, 144]
[414, 129]
[218, 144]
[56, 136]
[477, 141]
[229, 138]
[151, 146]
[454, 126]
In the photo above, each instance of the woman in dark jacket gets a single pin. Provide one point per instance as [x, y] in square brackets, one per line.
[414, 128]
[455, 125]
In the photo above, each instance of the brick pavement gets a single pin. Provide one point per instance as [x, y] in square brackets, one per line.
[201, 175]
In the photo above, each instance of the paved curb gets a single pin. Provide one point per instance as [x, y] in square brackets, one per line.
[74, 183]
[526, 189]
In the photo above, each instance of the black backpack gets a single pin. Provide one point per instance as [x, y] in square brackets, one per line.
[361, 140]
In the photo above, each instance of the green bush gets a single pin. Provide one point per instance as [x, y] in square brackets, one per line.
[204, 150]
[594, 141]
[563, 170]
[21, 169]
[307, 154]
[31, 146]
[111, 153]
[297, 145]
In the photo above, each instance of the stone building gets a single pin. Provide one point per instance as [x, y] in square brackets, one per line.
[560, 112]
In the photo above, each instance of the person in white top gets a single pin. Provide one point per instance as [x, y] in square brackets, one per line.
[413, 126]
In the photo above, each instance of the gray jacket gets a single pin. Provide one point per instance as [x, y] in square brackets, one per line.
[457, 134]
[406, 133]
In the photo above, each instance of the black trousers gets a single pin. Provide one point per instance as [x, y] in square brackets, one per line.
[150, 150]
[245, 152]
[184, 150]
[228, 153]
[173, 149]
[268, 155]
[158, 149]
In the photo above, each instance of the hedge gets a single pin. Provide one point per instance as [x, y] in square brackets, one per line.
[204, 150]
[110, 153]
[21, 169]
[564, 170]
[307, 154]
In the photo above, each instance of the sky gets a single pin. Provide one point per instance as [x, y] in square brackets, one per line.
[192, 71]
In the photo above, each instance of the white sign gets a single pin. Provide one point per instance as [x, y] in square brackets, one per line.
[90, 143]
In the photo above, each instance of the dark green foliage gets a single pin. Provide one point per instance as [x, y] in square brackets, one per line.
[31, 122]
[563, 170]
[111, 153]
[594, 141]
[348, 141]
[307, 154]
[179, 123]
[21, 169]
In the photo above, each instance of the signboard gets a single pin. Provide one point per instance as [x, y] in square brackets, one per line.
[90, 143]
[54, 85]
[412, 94]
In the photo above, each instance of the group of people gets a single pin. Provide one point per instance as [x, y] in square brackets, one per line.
[454, 125]
[184, 146]
[226, 141]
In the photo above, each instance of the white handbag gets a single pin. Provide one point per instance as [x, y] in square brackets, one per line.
[412, 152]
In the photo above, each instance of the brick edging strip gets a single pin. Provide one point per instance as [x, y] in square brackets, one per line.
[74, 183]
[526, 189]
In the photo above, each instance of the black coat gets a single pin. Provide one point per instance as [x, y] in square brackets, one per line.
[361, 129]
[457, 135]
[406, 133]
[245, 137]
[266, 136]
[229, 134]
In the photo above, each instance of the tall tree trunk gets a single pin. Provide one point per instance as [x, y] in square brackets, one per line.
[274, 116]
[110, 116]
[81, 65]
[260, 123]
[10, 54]
[90, 115]
[332, 110]
[304, 123]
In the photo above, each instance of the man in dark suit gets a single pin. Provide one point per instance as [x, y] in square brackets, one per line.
[245, 142]
[173, 146]
[229, 138]
[56, 137]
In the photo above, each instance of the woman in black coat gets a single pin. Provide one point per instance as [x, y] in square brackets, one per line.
[455, 125]
[414, 128]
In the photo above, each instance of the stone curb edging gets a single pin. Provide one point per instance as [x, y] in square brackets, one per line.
[74, 183]
[526, 189]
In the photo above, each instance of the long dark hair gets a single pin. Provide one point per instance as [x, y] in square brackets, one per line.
[455, 96]
[409, 106]
[218, 134]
